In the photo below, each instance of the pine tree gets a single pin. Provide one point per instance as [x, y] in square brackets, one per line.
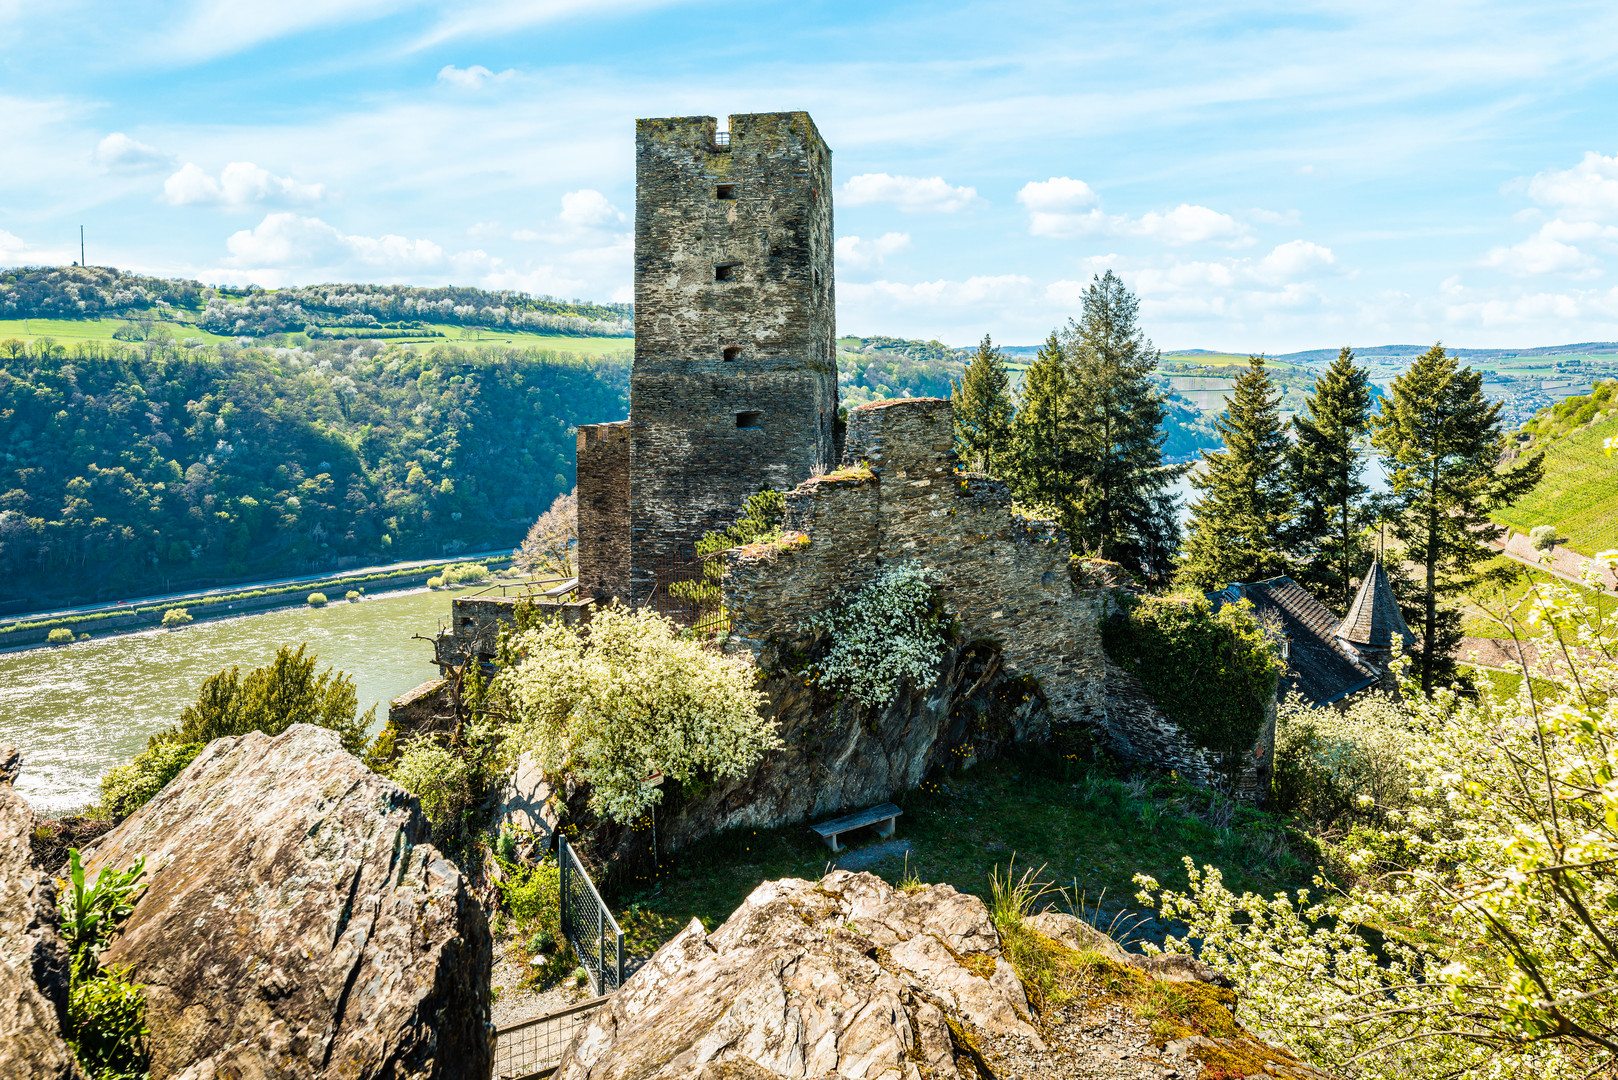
[1041, 462]
[982, 407]
[1119, 505]
[1246, 502]
[1440, 441]
[1326, 466]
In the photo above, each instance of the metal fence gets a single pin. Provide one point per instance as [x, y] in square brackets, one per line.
[588, 925]
[686, 588]
[533, 1048]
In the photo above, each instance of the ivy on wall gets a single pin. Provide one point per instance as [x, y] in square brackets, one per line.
[1213, 673]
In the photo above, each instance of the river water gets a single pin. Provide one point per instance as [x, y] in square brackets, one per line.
[76, 710]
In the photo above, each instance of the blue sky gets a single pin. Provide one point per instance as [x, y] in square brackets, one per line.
[1266, 176]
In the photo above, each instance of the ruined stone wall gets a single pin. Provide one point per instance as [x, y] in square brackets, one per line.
[1007, 578]
[603, 470]
[734, 386]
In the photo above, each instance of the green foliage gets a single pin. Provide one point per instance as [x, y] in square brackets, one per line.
[1337, 769]
[1213, 673]
[177, 616]
[1327, 535]
[982, 408]
[886, 636]
[1557, 420]
[352, 596]
[317, 599]
[107, 1016]
[1543, 537]
[92, 915]
[1245, 502]
[629, 698]
[760, 522]
[1440, 441]
[106, 1012]
[464, 574]
[60, 636]
[1577, 492]
[533, 895]
[271, 699]
[151, 468]
[888, 367]
[126, 788]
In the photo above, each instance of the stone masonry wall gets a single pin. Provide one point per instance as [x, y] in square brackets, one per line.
[1007, 578]
[734, 386]
[603, 552]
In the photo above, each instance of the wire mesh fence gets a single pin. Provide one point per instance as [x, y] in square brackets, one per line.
[687, 590]
[588, 925]
[533, 1048]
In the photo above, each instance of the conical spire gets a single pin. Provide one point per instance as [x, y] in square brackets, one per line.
[1374, 616]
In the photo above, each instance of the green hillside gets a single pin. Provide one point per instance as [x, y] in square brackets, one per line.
[127, 469]
[1579, 494]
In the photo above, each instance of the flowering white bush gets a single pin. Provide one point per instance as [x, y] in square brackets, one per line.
[888, 632]
[627, 699]
[1493, 892]
[1334, 769]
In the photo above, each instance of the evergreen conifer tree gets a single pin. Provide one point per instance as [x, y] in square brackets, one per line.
[1440, 441]
[1118, 502]
[1246, 502]
[1040, 470]
[982, 406]
[1326, 467]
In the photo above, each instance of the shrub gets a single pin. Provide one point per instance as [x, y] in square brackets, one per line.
[126, 788]
[60, 636]
[176, 616]
[106, 1011]
[435, 582]
[627, 698]
[463, 574]
[317, 599]
[1486, 949]
[352, 596]
[84, 637]
[440, 778]
[1337, 769]
[889, 632]
[273, 698]
[1213, 673]
[1543, 537]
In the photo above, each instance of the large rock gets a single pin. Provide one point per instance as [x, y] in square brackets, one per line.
[298, 923]
[33, 959]
[845, 977]
[1080, 936]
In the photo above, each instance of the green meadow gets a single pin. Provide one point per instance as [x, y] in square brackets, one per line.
[66, 331]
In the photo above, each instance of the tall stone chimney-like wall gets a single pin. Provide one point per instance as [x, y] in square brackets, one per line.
[734, 386]
[603, 551]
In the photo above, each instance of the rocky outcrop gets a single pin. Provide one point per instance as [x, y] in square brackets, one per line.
[850, 978]
[525, 804]
[845, 977]
[33, 959]
[297, 923]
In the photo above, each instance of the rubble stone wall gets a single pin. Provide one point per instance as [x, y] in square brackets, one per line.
[603, 470]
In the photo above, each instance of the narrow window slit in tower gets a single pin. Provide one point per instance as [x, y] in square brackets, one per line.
[725, 191]
[733, 352]
[749, 419]
[726, 272]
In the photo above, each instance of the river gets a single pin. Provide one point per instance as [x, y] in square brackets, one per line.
[76, 710]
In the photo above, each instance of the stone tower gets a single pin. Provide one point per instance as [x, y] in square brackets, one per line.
[734, 386]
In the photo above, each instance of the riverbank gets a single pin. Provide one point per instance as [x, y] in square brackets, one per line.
[33, 633]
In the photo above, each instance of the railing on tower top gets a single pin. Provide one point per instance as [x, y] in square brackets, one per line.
[721, 138]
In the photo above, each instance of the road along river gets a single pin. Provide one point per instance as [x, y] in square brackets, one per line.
[76, 710]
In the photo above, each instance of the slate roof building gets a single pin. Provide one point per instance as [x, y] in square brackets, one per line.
[1328, 658]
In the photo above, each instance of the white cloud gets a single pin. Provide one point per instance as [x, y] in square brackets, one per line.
[856, 253]
[15, 251]
[287, 241]
[911, 194]
[1054, 210]
[119, 153]
[1273, 217]
[473, 77]
[240, 185]
[588, 208]
[1059, 193]
[1293, 260]
[1586, 192]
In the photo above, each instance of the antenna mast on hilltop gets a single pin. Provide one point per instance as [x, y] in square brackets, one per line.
[81, 245]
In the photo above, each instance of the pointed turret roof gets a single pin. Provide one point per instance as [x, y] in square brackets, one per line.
[1374, 616]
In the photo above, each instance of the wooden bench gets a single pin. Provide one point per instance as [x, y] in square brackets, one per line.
[887, 814]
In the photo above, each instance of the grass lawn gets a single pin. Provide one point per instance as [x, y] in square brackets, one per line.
[588, 346]
[1089, 830]
[1579, 494]
[66, 331]
[1478, 622]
